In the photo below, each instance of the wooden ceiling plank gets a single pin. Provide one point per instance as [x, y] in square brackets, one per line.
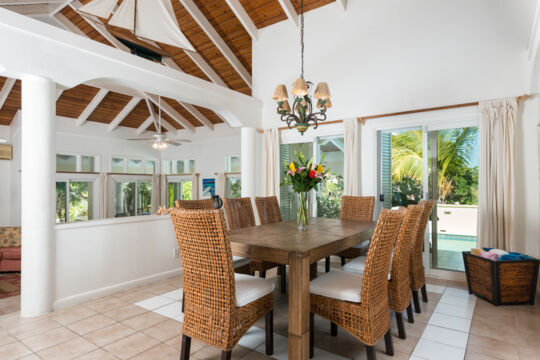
[125, 112]
[68, 25]
[6, 90]
[145, 125]
[289, 9]
[205, 67]
[168, 126]
[197, 114]
[172, 113]
[92, 106]
[244, 18]
[209, 30]
[96, 24]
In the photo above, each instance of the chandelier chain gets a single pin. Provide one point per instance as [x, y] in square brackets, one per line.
[302, 36]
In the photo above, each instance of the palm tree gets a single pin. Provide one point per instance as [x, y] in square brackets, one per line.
[455, 150]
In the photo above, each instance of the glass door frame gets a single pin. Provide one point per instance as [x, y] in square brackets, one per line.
[427, 121]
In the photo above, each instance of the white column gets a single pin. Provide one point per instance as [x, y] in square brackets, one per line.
[38, 167]
[247, 155]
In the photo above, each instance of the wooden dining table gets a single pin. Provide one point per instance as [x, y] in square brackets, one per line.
[283, 243]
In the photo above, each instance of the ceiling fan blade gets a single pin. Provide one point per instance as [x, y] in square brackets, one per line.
[183, 140]
[142, 139]
[174, 143]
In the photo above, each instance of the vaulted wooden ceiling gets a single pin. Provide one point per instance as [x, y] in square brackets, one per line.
[216, 30]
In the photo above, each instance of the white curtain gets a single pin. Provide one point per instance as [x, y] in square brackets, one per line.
[351, 179]
[163, 191]
[103, 185]
[195, 187]
[156, 193]
[221, 188]
[497, 183]
[271, 156]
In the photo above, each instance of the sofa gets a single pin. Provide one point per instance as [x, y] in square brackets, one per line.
[10, 249]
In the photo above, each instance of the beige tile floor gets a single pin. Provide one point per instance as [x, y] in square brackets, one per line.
[113, 327]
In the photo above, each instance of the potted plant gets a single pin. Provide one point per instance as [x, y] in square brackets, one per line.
[303, 176]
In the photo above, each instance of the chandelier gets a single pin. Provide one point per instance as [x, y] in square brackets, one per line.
[302, 111]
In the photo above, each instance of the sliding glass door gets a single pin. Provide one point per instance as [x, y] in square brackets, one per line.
[287, 197]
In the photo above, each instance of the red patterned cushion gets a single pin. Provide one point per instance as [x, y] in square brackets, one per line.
[11, 253]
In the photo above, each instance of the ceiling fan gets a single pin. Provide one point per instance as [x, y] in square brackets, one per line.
[160, 141]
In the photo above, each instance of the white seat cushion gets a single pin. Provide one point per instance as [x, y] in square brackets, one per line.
[239, 261]
[362, 245]
[338, 284]
[251, 288]
[357, 265]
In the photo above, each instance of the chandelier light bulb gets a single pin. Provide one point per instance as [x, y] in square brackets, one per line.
[155, 145]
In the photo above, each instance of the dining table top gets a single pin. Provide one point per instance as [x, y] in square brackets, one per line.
[277, 241]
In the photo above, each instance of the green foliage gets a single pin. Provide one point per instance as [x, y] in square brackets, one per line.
[406, 192]
[144, 198]
[187, 190]
[329, 196]
[235, 188]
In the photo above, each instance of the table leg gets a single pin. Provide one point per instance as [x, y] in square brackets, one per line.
[299, 271]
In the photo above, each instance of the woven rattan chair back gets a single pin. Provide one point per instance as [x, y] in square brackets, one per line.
[416, 270]
[400, 288]
[375, 279]
[206, 204]
[208, 275]
[239, 213]
[359, 208]
[268, 209]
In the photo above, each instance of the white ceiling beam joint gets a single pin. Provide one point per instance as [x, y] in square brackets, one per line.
[172, 113]
[197, 114]
[125, 112]
[343, 4]
[6, 90]
[209, 30]
[56, 6]
[289, 10]
[244, 18]
[68, 25]
[92, 105]
[169, 127]
[145, 125]
[205, 68]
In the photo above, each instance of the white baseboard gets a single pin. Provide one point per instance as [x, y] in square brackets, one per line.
[97, 293]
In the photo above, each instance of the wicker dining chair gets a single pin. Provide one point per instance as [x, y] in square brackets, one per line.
[358, 208]
[399, 284]
[359, 303]
[270, 213]
[240, 215]
[205, 204]
[220, 306]
[416, 270]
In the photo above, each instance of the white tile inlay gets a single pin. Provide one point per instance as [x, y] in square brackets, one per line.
[446, 336]
[457, 292]
[175, 294]
[432, 350]
[453, 310]
[253, 338]
[450, 322]
[154, 302]
[458, 300]
[171, 311]
[281, 351]
[437, 289]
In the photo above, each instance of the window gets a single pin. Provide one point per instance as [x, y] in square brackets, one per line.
[234, 187]
[287, 197]
[75, 163]
[132, 166]
[330, 191]
[179, 189]
[75, 198]
[232, 163]
[132, 197]
[234, 184]
[178, 167]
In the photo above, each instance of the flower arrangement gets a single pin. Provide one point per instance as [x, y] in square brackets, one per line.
[303, 176]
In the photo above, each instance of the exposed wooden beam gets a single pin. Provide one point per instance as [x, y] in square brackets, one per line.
[68, 25]
[205, 25]
[96, 24]
[197, 114]
[168, 127]
[244, 18]
[289, 10]
[145, 125]
[54, 8]
[172, 113]
[6, 89]
[343, 4]
[205, 67]
[125, 112]
[92, 105]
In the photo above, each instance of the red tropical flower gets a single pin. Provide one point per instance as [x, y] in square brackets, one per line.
[312, 174]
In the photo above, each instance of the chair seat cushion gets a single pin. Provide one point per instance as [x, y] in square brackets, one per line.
[358, 265]
[251, 288]
[11, 253]
[239, 261]
[338, 284]
[362, 245]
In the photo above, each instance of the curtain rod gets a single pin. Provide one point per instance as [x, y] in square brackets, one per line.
[363, 119]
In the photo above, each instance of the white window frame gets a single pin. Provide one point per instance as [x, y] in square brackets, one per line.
[228, 161]
[178, 179]
[136, 178]
[143, 161]
[176, 165]
[74, 177]
[79, 156]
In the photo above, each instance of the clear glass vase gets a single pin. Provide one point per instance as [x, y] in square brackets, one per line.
[302, 212]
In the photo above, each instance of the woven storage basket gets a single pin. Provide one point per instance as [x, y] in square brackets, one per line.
[501, 282]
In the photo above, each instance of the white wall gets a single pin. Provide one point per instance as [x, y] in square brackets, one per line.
[101, 257]
[386, 56]
[5, 181]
